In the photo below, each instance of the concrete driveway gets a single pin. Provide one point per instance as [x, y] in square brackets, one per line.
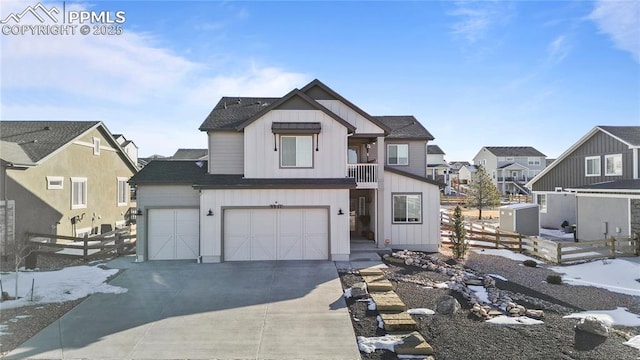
[180, 310]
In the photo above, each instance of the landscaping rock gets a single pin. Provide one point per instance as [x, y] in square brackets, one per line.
[447, 305]
[593, 325]
[359, 290]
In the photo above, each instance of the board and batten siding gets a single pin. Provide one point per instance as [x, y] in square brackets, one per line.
[161, 197]
[570, 171]
[262, 161]
[217, 200]
[362, 124]
[421, 237]
[417, 156]
[226, 152]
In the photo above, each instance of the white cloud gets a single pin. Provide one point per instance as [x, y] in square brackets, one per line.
[476, 19]
[148, 92]
[621, 21]
[558, 49]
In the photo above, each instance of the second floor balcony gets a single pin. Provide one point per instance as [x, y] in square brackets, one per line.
[366, 175]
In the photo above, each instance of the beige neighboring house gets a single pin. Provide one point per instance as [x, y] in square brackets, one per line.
[61, 177]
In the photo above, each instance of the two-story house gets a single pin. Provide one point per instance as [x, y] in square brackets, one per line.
[437, 167]
[511, 167]
[61, 178]
[292, 177]
[594, 184]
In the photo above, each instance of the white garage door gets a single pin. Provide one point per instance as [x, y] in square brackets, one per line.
[174, 234]
[276, 234]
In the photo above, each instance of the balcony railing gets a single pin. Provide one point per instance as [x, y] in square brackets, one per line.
[518, 179]
[364, 174]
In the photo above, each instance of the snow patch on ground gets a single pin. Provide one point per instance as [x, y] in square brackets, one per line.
[507, 254]
[481, 293]
[371, 344]
[633, 342]
[620, 316]
[420, 311]
[519, 320]
[68, 284]
[617, 275]
[495, 276]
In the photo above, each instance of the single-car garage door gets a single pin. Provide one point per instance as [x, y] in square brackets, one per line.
[276, 234]
[174, 234]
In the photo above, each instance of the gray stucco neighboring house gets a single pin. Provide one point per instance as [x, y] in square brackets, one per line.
[594, 184]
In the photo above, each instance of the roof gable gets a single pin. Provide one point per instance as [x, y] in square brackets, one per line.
[628, 135]
[319, 91]
[434, 150]
[39, 139]
[295, 100]
[230, 112]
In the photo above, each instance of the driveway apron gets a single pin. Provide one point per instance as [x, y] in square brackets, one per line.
[183, 310]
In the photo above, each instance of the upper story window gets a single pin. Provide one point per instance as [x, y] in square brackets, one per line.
[123, 192]
[533, 161]
[509, 158]
[296, 151]
[613, 165]
[398, 154]
[78, 192]
[407, 208]
[96, 146]
[55, 182]
[592, 166]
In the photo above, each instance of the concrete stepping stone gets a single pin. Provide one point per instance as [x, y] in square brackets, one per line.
[371, 271]
[387, 302]
[398, 322]
[377, 283]
[413, 344]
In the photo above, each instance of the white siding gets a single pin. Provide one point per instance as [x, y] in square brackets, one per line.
[161, 196]
[362, 124]
[226, 152]
[425, 236]
[335, 199]
[261, 161]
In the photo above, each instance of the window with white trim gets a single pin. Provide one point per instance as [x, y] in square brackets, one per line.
[296, 151]
[78, 192]
[96, 146]
[533, 161]
[592, 166]
[55, 182]
[123, 192]
[541, 200]
[398, 154]
[613, 165]
[407, 208]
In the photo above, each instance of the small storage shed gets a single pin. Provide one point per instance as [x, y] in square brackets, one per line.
[521, 218]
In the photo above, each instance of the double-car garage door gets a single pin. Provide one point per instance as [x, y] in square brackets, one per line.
[248, 234]
[276, 234]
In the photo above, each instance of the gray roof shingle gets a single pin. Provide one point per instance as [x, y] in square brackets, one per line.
[38, 139]
[171, 172]
[628, 134]
[405, 127]
[230, 112]
[434, 149]
[514, 151]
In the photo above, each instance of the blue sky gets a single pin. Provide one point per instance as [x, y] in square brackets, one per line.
[490, 73]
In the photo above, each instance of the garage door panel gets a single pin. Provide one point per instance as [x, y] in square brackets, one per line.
[173, 234]
[276, 234]
[263, 235]
[237, 242]
[316, 234]
[290, 240]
